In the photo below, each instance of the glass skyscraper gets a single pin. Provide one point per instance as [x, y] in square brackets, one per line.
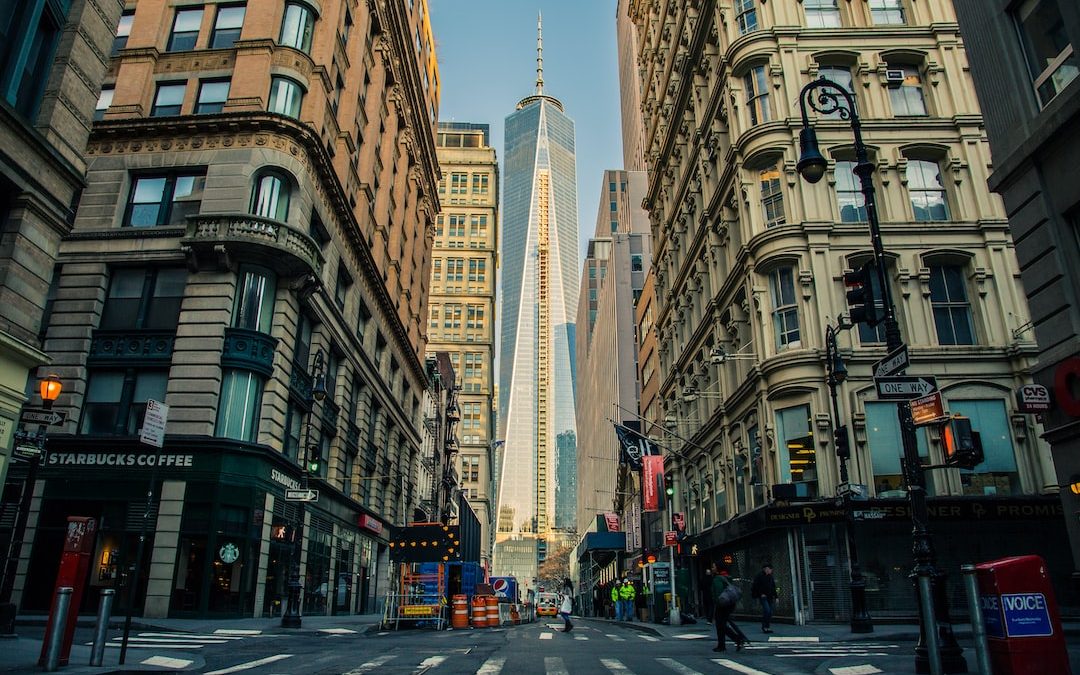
[539, 306]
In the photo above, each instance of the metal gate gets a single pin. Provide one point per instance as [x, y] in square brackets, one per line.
[825, 571]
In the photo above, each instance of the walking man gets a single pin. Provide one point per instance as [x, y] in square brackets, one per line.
[615, 600]
[626, 597]
[725, 596]
[764, 590]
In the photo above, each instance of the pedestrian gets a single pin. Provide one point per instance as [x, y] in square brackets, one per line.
[707, 600]
[725, 596]
[626, 600]
[764, 590]
[615, 602]
[566, 604]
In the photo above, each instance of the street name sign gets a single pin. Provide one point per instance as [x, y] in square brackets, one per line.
[27, 450]
[896, 361]
[42, 416]
[905, 386]
[153, 427]
[301, 495]
[927, 409]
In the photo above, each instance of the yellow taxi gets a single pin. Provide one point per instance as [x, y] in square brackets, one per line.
[547, 604]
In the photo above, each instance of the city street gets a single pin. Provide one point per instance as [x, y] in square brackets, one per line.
[343, 647]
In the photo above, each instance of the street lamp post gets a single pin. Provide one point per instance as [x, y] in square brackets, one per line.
[49, 389]
[827, 97]
[291, 617]
[836, 373]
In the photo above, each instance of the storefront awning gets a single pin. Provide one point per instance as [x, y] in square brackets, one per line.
[600, 541]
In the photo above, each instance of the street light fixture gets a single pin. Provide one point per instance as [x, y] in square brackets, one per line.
[827, 97]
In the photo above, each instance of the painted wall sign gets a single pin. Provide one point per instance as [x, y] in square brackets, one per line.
[118, 459]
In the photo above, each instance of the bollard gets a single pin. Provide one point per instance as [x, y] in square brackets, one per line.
[56, 631]
[978, 628]
[101, 629]
[930, 627]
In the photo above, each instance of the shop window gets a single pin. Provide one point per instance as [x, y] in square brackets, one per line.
[105, 99]
[821, 13]
[286, 96]
[886, 449]
[270, 197]
[116, 400]
[254, 307]
[785, 307]
[756, 84]
[142, 298]
[169, 99]
[952, 311]
[746, 16]
[239, 405]
[29, 34]
[1050, 56]
[797, 456]
[164, 199]
[907, 99]
[212, 96]
[297, 26]
[887, 12]
[927, 191]
[123, 31]
[185, 29]
[997, 475]
[849, 197]
[227, 25]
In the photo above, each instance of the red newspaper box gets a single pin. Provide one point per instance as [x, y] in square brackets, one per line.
[1021, 616]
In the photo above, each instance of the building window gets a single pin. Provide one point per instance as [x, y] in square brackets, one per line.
[164, 199]
[873, 334]
[849, 196]
[363, 316]
[772, 196]
[637, 262]
[785, 309]
[254, 307]
[104, 101]
[907, 99]
[302, 348]
[1050, 56]
[821, 13]
[458, 183]
[141, 298]
[28, 42]
[238, 407]
[116, 400]
[948, 298]
[757, 95]
[297, 27]
[185, 30]
[344, 283]
[286, 96]
[746, 15]
[842, 76]
[480, 183]
[294, 429]
[212, 96]
[270, 198]
[227, 25]
[927, 190]
[884, 440]
[997, 475]
[169, 99]
[123, 30]
[797, 456]
[887, 12]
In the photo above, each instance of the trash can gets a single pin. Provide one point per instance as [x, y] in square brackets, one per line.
[1023, 626]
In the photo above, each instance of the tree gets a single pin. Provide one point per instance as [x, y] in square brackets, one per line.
[555, 568]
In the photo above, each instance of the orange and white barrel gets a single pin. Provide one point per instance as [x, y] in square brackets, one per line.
[459, 617]
[479, 612]
[492, 610]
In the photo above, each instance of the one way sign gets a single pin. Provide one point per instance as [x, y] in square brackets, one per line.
[905, 386]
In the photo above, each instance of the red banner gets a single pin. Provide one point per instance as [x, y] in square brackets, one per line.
[652, 472]
[612, 521]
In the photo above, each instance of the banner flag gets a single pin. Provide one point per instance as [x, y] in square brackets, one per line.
[634, 447]
[652, 474]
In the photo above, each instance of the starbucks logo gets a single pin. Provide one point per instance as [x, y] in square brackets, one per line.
[229, 553]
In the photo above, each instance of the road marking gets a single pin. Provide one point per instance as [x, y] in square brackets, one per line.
[650, 638]
[250, 664]
[192, 636]
[678, 667]
[237, 631]
[492, 666]
[166, 662]
[138, 645]
[581, 637]
[803, 655]
[555, 666]
[692, 636]
[427, 664]
[176, 640]
[336, 631]
[855, 670]
[372, 664]
[546, 636]
[616, 638]
[615, 666]
[794, 639]
[738, 667]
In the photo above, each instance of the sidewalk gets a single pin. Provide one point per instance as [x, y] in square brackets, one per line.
[20, 653]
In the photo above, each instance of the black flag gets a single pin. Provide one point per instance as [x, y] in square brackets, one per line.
[634, 447]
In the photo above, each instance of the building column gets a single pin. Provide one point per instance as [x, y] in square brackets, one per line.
[264, 555]
[28, 543]
[303, 558]
[159, 583]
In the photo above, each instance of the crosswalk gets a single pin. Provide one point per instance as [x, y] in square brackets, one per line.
[180, 641]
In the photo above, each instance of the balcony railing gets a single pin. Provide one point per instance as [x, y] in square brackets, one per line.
[249, 350]
[131, 346]
[213, 240]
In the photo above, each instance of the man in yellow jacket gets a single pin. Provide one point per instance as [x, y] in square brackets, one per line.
[615, 600]
[626, 599]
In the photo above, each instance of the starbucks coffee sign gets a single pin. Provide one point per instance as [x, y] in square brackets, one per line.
[119, 459]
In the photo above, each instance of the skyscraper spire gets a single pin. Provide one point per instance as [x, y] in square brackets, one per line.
[539, 54]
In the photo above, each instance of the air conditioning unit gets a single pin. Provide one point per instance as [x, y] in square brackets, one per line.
[894, 78]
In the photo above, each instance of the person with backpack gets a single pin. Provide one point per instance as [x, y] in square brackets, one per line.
[725, 596]
[566, 604]
[764, 591]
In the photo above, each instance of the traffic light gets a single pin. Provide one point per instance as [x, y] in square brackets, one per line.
[669, 485]
[862, 305]
[843, 448]
[963, 447]
[314, 461]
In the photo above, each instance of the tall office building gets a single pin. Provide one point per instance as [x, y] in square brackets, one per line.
[461, 308]
[539, 300]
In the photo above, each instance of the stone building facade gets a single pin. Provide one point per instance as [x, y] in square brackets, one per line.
[749, 264]
[261, 191]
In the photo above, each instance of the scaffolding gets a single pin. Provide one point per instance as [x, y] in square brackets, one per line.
[417, 597]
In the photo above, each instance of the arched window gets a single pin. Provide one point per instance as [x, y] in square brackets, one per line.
[297, 26]
[270, 197]
[286, 96]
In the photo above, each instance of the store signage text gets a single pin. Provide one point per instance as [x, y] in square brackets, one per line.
[368, 523]
[287, 481]
[118, 459]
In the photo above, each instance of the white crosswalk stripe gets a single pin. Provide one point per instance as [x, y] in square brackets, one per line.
[865, 669]
[371, 665]
[615, 666]
[186, 641]
[554, 665]
[167, 662]
[650, 638]
[251, 664]
[492, 666]
[678, 667]
[738, 667]
[616, 638]
[429, 663]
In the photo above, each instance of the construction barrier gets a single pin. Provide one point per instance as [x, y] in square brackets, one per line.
[479, 612]
[459, 617]
[515, 615]
[492, 610]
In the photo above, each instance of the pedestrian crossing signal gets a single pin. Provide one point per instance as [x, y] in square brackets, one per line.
[962, 445]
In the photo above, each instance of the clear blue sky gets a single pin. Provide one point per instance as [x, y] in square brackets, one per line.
[487, 63]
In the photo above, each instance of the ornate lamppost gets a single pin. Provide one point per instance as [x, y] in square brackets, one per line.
[827, 97]
[291, 617]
